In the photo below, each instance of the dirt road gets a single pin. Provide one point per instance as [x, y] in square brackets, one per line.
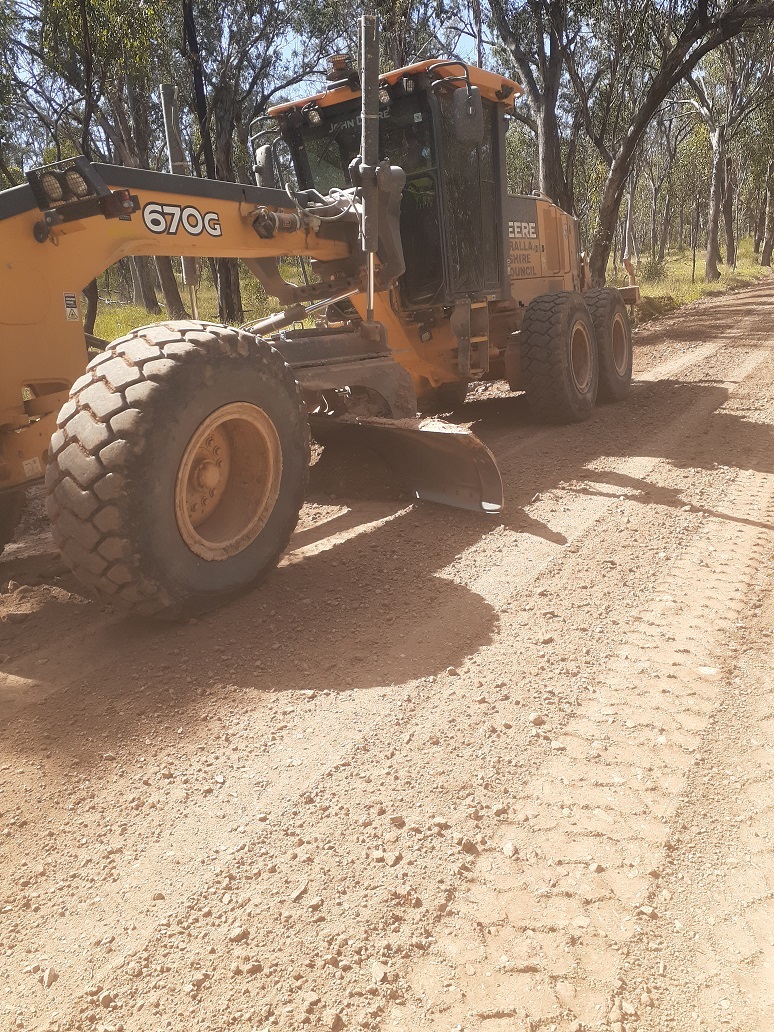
[440, 771]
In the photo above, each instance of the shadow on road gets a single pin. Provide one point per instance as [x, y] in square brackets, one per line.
[369, 609]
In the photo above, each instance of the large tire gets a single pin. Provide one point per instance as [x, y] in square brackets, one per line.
[614, 342]
[445, 398]
[11, 509]
[559, 366]
[170, 419]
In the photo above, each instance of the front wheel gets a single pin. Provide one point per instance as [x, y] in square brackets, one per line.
[178, 470]
[559, 365]
[614, 342]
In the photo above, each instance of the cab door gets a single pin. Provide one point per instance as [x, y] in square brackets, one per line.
[471, 215]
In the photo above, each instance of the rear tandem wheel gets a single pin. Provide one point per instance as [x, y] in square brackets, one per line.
[179, 467]
[614, 342]
[559, 362]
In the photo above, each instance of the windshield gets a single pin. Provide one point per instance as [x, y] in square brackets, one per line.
[323, 152]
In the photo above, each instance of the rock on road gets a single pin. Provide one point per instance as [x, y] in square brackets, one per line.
[439, 771]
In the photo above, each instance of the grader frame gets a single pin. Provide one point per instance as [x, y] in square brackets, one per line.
[175, 466]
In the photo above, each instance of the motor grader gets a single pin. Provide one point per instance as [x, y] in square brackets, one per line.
[176, 464]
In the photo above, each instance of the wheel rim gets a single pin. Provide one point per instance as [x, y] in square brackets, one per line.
[581, 357]
[620, 345]
[228, 481]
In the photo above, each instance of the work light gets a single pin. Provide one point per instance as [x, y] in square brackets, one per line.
[51, 187]
[76, 184]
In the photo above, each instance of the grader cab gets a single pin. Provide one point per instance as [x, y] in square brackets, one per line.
[176, 465]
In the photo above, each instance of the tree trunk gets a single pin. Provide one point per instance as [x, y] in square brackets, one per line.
[760, 226]
[223, 116]
[711, 271]
[609, 204]
[136, 285]
[550, 174]
[146, 294]
[172, 300]
[200, 96]
[92, 298]
[653, 233]
[229, 291]
[630, 238]
[728, 214]
[681, 227]
[666, 228]
[768, 233]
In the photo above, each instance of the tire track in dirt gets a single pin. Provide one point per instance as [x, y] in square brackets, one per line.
[543, 937]
[713, 966]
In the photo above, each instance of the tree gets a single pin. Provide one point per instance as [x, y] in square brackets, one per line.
[728, 86]
[242, 55]
[768, 235]
[537, 35]
[679, 42]
[623, 61]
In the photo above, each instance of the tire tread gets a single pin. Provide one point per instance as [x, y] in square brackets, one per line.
[102, 426]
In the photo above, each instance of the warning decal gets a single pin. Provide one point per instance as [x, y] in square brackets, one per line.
[71, 307]
[32, 468]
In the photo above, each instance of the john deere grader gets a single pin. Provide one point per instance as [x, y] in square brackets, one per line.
[176, 465]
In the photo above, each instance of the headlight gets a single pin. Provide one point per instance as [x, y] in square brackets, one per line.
[313, 116]
[76, 184]
[62, 183]
[51, 187]
[384, 96]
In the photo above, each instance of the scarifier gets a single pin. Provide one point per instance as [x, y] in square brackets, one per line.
[176, 465]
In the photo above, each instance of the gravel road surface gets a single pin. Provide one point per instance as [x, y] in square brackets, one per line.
[440, 770]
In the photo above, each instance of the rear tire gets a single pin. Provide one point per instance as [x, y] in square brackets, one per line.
[178, 470]
[445, 398]
[11, 510]
[614, 342]
[559, 366]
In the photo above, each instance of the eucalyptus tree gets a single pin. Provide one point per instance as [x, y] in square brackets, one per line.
[757, 143]
[690, 180]
[663, 140]
[242, 56]
[671, 41]
[768, 233]
[727, 87]
[537, 36]
[623, 60]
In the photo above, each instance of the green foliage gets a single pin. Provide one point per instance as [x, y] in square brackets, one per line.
[521, 158]
[651, 270]
[116, 36]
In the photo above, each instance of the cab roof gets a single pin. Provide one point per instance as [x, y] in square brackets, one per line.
[493, 87]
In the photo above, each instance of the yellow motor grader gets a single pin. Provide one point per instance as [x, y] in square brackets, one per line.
[176, 464]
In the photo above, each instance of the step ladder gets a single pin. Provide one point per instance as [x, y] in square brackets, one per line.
[470, 325]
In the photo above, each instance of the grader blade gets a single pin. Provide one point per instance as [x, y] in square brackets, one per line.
[437, 461]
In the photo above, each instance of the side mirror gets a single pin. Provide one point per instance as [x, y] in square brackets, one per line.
[468, 114]
[265, 172]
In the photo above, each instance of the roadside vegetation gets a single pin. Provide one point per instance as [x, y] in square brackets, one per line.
[666, 286]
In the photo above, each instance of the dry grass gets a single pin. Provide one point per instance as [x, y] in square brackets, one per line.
[664, 290]
[115, 317]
